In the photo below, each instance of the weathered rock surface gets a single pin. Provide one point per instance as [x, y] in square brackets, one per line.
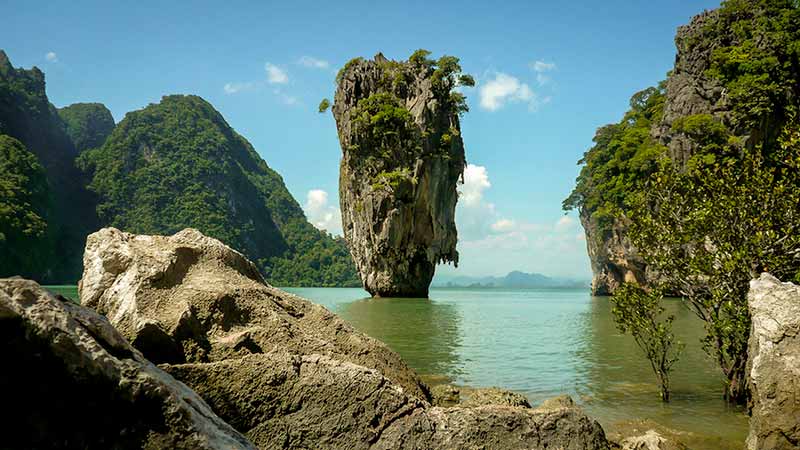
[645, 434]
[689, 89]
[650, 440]
[773, 366]
[450, 395]
[190, 298]
[281, 400]
[613, 257]
[398, 175]
[70, 380]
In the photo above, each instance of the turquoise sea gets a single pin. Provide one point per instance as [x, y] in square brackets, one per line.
[542, 343]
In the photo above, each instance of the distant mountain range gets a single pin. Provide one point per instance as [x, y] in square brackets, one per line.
[514, 280]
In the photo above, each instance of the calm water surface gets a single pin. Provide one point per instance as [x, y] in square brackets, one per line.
[544, 343]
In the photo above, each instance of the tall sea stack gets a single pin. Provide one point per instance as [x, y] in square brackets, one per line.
[403, 155]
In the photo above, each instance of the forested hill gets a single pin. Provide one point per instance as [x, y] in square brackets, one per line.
[179, 164]
[50, 248]
[87, 124]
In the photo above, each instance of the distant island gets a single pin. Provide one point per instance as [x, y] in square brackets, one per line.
[513, 280]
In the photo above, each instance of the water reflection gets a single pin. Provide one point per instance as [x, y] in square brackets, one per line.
[619, 383]
[425, 332]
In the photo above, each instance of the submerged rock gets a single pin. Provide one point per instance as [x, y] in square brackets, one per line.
[190, 298]
[773, 365]
[403, 155]
[70, 380]
[650, 440]
[450, 395]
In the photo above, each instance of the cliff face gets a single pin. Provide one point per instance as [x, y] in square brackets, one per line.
[27, 115]
[613, 258]
[402, 158]
[703, 86]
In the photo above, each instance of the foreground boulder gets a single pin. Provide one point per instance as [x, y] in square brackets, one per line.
[69, 380]
[281, 400]
[283, 371]
[773, 366]
[188, 298]
[403, 155]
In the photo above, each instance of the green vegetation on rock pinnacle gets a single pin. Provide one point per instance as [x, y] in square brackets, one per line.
[27, 115]
[178, 164]
[24, 204]
[88, 124]
[718, 201]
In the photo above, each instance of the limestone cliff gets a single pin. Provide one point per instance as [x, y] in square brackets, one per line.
[613, 258]
[403, 155]
[707, 90]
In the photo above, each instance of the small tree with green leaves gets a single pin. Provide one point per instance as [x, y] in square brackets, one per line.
[640, 313]
[324, 105]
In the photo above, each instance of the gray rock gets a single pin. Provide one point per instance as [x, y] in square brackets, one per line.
[398, 196]
[689, 90]
[445, 395]
[190, 298]
[288, 401]
[773, 365]
[613, 257]
[493, 396]
[650, 440]
[280, 400]
[70, 380]
[450, 395]
[562, 401]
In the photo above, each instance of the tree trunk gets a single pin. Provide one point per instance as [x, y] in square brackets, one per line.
[663, 383]
[736, 391]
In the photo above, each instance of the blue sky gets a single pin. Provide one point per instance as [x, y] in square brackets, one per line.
[548, 73]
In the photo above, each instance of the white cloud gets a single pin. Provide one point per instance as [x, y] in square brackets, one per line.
[286, 99]
[504, 226]
[314, 63]
[276, 75]
[321, 214]
[541, 66]
[474, 216]
[51, 57]
[504, 88]
[565, 223]
[234, 88]
[476, 180]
